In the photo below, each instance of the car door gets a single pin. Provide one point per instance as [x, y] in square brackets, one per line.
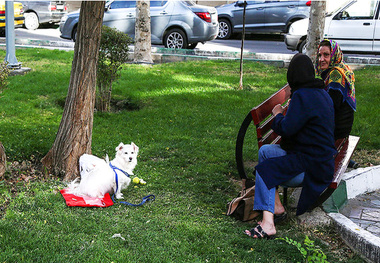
[254, 16]
[277, 14]
[353, 27]
[376, 35]
[121, 15]
[160, 15]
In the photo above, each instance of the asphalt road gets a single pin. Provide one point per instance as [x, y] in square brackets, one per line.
[256, 43]
[252, 43]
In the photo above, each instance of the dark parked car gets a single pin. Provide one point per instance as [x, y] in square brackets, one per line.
[174, 23]
[42, 12]
[260, 16]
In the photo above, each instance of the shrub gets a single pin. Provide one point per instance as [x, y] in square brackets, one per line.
[113, 54]
[309, 251]
[4, 73]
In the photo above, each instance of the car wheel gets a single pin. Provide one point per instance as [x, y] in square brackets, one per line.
[224, 29]
[31, 21]
[74, 34]
[175, 38]
[192, 46]
[302, 47]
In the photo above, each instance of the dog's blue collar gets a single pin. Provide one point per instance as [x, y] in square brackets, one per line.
[114, 168]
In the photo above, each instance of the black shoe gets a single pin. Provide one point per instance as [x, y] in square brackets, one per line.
[353, 164]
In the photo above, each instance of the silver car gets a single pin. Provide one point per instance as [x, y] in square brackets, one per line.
[175, 24]
[260, 16]
[43, 12]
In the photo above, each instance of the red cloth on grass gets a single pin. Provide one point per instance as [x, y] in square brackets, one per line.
[86, 201]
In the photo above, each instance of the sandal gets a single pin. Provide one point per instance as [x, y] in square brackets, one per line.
[260, 233]
[280, 217]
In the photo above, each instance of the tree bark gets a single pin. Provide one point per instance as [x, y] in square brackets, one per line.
[316, 27]
[3, 160]
[143, 42]
[242, 49]
[74, 135]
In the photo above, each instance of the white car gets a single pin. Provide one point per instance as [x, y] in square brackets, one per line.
[355, 26]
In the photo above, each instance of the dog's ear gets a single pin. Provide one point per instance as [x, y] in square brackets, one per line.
[135, 147]
[120, 147]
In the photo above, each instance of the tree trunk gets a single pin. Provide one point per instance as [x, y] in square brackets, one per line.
[75, 131]
[104, 100]
[142, 53]
[3, 160]
[316, 27]
[242, 49]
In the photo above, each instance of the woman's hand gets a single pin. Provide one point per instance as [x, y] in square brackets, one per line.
[277, 109]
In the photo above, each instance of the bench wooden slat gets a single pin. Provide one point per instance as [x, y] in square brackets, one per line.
[262, 111]
[343, 158]
[264, 127]
[270, 138]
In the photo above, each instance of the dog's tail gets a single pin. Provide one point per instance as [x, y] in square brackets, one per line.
[107, 159]
[73, 187]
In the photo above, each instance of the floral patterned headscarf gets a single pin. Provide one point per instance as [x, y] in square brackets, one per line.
[339, 75]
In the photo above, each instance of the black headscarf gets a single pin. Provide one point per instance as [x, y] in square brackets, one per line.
[301, 73]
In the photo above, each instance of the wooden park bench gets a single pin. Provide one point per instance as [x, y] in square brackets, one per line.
[262, 118]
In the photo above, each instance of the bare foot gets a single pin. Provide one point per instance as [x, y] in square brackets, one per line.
[265, 230]
[278, 210]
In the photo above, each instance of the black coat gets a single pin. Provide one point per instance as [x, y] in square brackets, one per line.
[309, 125]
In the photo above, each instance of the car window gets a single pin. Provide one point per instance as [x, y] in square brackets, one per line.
[157, 3]
[254, 2]
[188, 3]
[360, 10]
[122, 4]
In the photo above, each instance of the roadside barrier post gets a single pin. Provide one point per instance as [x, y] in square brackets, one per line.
[10, 36]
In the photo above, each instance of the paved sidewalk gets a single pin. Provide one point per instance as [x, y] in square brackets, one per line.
[364, 210]
[358, 222]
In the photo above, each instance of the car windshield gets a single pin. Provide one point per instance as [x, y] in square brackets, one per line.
[336, 10]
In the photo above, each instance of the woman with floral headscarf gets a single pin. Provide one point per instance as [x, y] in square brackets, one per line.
[339, 83]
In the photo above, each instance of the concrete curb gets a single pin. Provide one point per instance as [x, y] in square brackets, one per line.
[360, 240]
[359, 181]
[362, 180]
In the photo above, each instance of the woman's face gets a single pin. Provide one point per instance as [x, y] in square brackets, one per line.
[324, 56]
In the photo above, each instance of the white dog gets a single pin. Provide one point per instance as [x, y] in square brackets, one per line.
[98, 177]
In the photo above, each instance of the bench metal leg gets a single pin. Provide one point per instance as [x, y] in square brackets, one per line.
[285, 197]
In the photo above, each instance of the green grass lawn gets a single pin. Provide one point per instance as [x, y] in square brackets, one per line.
[185, 122]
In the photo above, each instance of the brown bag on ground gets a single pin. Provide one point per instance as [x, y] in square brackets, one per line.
[241, 207]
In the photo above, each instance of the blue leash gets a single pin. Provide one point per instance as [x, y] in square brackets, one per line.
[144, 199]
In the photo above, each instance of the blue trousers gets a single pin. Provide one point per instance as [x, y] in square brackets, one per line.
[264, 197]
